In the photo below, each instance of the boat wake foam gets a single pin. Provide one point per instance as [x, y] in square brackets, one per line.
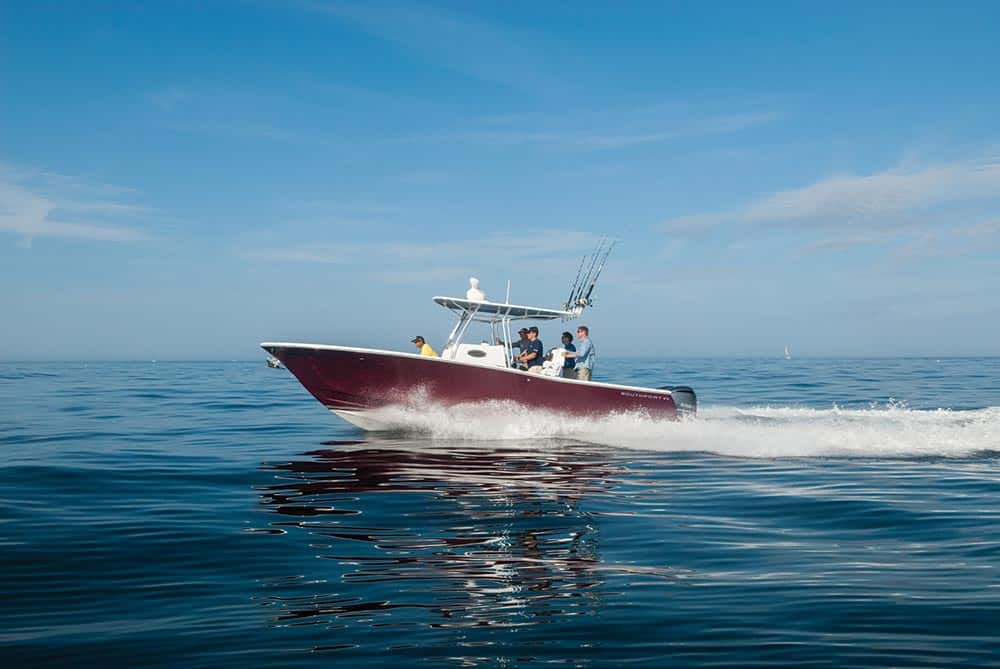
[759, 432]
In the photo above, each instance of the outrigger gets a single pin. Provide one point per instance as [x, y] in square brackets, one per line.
[358, 383]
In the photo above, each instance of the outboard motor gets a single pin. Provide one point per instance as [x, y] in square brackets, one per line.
[684, 399]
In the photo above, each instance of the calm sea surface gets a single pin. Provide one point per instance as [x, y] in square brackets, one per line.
[817, 513]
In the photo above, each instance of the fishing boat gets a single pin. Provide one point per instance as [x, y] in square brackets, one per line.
[359, 384]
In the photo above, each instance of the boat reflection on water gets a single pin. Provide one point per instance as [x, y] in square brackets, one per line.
[427, 537]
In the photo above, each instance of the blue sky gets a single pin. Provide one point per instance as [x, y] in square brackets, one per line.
[186, 179]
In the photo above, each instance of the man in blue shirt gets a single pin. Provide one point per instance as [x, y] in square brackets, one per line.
[569, 364]
[532, 355]
[585, 355]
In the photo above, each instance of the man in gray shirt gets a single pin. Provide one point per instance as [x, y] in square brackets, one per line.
[585, 354]
[521, 345]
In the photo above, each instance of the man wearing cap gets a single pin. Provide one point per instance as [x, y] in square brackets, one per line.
[424, 347]
[532, 355]
[523, 342]
[521, 345]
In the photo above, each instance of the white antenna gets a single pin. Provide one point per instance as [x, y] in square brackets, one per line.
[507, 299]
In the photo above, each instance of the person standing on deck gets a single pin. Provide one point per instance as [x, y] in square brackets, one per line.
[569, 364]
[521, 345]
[585, 355]
[424, 347]
[532, 355]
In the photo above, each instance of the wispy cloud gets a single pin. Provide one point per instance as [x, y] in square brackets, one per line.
[249, 131]
[989, 229]
[421, 275]
[328, 114]
[483, 50]
[167, 98]
[341, 210]
[313, 254]
[42, 204]
[404, 262]
[845, 244]
[610, 129]
[913, 197]
[245, 113]
[904, 214]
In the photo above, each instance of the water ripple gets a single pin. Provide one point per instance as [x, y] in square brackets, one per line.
[817, 513]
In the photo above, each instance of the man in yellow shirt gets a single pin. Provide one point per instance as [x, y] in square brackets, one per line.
[424, 347]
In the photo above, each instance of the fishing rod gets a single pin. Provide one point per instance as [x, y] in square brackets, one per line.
[572, 290]
[590, 270]
[588, 263]
[580, 281]
[599, 270]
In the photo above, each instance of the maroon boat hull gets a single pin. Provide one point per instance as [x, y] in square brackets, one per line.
[352, 381]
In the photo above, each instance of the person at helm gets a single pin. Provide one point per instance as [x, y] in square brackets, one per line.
[424, 347]
[534, 353]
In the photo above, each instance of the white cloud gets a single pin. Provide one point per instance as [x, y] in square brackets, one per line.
[605, 130]
[546, 242]
[39, 204]
[988, 230]
[863, 198]
[844, 244]
[886, 200]
[486, 51]
[401, 261]
[314, 254]
[435, 274]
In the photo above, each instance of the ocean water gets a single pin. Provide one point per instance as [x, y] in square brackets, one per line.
[825, 513]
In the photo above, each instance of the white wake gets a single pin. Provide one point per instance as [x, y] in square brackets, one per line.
[760, 432]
